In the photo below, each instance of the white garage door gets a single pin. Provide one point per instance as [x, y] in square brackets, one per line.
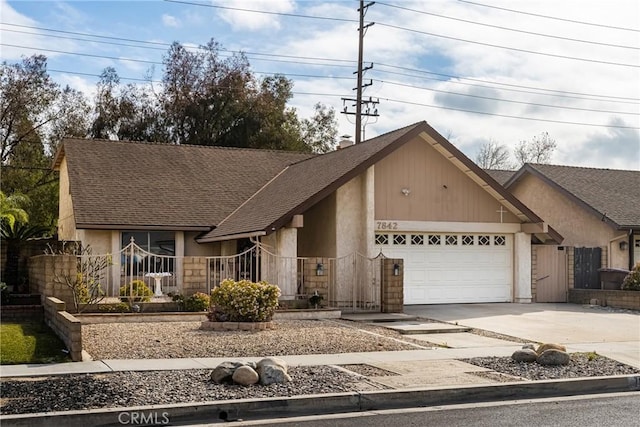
[444, 268]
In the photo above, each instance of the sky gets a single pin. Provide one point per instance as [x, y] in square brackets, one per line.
[477, 71]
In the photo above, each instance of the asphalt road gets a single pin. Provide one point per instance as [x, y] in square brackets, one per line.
[611, 410]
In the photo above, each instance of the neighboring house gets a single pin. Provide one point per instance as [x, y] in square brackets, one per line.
[409, 194]
[597, 211]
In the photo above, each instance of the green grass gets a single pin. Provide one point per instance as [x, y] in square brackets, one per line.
[30, 342]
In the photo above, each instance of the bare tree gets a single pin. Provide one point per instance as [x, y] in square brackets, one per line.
[538, 150]
[494, 156]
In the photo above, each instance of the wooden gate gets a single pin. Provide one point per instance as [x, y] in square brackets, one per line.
[551, 267]
[585, 268]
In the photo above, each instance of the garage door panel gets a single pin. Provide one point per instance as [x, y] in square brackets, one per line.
[439, 273]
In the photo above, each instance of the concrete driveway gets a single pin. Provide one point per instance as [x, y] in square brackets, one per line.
[612, 333]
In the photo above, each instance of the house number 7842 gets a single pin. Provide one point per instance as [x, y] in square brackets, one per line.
[384, 225]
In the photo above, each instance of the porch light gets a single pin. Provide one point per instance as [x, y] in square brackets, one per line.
[624, 245]
[396, 269]
[320, 269]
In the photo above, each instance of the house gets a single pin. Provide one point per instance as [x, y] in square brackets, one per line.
[408, 194]
[597, 211]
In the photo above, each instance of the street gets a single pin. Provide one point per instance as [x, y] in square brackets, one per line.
[611, 410]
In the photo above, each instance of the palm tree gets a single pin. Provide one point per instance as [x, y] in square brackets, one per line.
[11, 209]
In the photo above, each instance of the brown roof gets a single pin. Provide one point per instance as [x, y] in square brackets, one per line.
[611, 194]
[122, 184]
[500, 175]
[303, 184]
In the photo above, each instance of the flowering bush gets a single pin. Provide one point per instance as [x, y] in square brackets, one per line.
[244, 301]
[632, 281]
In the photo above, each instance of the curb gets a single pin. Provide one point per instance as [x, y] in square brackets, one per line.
[230, 410]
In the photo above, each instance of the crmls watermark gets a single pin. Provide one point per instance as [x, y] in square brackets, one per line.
[143, 418]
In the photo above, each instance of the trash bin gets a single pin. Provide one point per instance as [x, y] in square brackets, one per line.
[612, 278]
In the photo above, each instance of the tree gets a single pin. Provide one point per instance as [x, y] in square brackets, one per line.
[11, 211]
[493, 156]
[320, 131]
[538, 150]
[35, 114]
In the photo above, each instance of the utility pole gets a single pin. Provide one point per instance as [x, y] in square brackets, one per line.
[360, 86]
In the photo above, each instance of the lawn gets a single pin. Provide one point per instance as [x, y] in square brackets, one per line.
[30, 342]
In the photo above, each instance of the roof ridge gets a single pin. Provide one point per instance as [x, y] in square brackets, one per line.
[535, 165]
[171, 144]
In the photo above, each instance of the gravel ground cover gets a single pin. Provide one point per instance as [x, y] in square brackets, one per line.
[185, 339]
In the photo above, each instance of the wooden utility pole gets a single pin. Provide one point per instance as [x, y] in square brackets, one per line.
[361, 69]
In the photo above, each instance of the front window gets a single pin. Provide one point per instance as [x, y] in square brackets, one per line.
[156, 256]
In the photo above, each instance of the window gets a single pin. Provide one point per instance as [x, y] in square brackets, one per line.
[434, 239]
[499, 241]
[382, 239]
[467, 240]
[160, 243]
[417, 239]
[484, 240]
[451, 240]
[399, 239]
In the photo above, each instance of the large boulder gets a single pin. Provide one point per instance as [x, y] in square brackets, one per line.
[272, 370]
[223, 373]
[245, 375]
[549, 346]
[554, 357]
[525, 355]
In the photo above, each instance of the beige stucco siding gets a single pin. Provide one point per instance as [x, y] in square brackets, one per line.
[438, 190]
[98, 240]
[193, 248]
[351, 213]
[317, 238]
[578, 226]
[66, 219]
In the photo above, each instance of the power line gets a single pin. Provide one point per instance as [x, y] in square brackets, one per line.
[508, 116]
[292, 15]
[507, 100]
[322, 59]
[558, 93]
[424, 105]
[507, 28]
[550, 17]
[533, 52]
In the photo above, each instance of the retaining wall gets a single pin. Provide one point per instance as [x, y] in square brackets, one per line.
[609, 298]
[65, 325]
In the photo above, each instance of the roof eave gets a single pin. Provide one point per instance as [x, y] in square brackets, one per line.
[86, 226]
[230, 237]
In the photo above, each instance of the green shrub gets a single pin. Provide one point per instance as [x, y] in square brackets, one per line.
[196, 302]
[121, 307]
[632, 281]
[244, 301]
[137, 291]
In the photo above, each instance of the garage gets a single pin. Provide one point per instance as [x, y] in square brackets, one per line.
[441, 268]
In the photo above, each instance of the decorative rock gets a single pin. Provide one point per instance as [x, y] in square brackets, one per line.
[223, 373]
[272, 370]
[548, 346]
[245, 375]
[554, 357]
[529, 346]
[527, 355]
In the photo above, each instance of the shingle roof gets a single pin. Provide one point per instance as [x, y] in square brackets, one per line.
[304, 183]
[502, 176]
[132, 184]
[610, 193]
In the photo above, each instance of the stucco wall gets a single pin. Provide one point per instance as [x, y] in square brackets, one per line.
[66, 219]
[579, 227]
[351, 217]
[99, 240]
[193, 248]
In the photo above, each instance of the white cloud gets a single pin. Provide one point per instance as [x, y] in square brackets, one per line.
[244, 20]
[171, 21]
